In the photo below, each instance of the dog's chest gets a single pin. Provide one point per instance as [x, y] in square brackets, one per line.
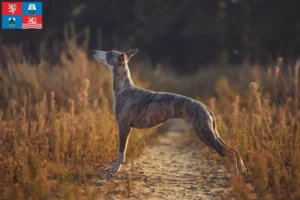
[122, 103]
[114, 103]
[118, 104]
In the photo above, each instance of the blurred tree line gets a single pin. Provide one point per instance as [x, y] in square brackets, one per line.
[186, 34]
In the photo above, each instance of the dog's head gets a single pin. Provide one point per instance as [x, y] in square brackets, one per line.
[114, 58]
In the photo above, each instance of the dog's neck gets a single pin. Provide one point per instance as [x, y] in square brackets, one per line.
[121, 79]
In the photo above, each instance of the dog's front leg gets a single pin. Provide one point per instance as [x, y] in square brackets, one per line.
[124, 132]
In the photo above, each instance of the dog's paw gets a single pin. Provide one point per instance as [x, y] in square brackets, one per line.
[113, 169]
[244, 169]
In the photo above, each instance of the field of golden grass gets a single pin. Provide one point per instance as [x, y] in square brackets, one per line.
[57, 127]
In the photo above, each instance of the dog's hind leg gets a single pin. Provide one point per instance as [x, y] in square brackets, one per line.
[211, 138]
[216, 143]
[124, 132]
[236, 153]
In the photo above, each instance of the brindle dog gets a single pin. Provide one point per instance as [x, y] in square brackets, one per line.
[138, 108]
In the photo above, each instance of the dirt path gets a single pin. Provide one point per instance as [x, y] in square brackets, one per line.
[176, 167]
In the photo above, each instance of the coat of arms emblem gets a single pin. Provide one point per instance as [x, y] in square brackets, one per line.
[22, 15]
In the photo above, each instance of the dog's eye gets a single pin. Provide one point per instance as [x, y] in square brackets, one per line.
[121, 57]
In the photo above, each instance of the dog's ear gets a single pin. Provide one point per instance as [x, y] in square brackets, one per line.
[131, 53]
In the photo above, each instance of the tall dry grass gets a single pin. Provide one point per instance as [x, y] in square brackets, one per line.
[57, 127]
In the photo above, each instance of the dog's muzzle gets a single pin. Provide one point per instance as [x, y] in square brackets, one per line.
[100, 56]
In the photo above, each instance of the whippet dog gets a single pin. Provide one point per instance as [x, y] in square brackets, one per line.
[139, 108]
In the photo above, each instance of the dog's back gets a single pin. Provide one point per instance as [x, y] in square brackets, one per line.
[144, 108]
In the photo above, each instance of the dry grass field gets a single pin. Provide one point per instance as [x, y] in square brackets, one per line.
[57, 127]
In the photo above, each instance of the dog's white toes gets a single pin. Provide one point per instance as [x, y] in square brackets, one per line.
[113, 169]
[244, 169]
